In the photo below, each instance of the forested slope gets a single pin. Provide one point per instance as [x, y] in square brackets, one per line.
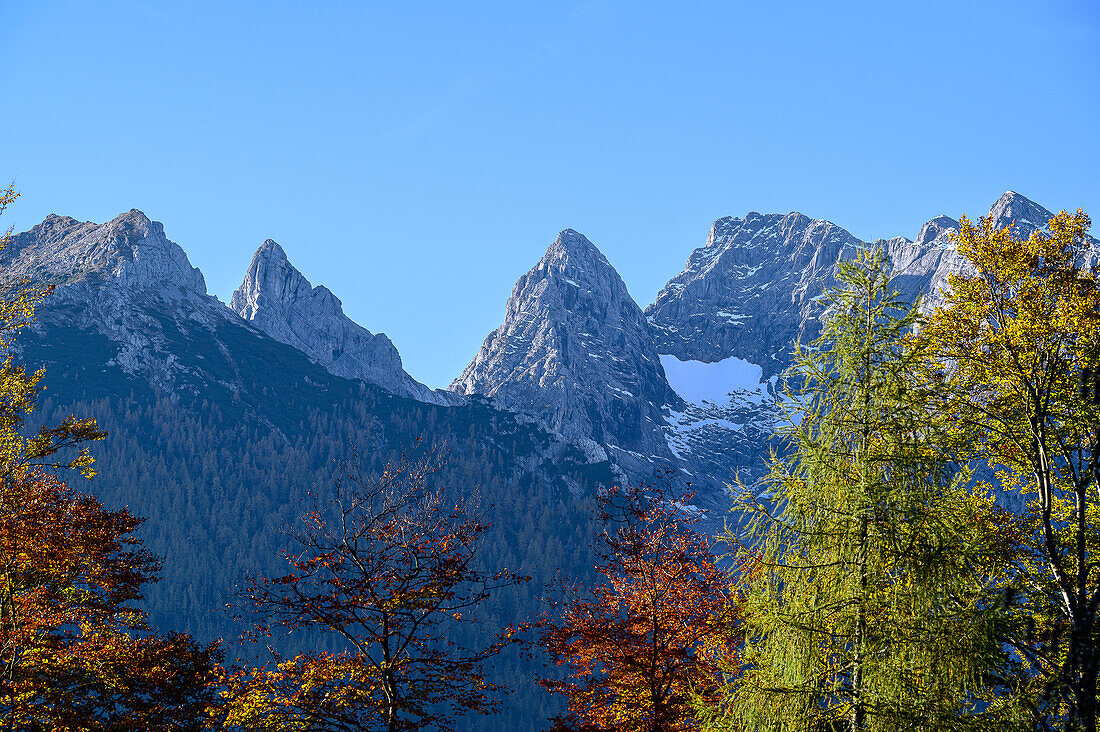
[220, 473]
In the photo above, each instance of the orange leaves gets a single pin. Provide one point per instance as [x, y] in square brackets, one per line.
[301, 691]
[638, 647]
[388, 565]
[74, 653]
[72, 650]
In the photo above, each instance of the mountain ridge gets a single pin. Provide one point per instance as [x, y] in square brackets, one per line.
[277, 298]
[574, 351]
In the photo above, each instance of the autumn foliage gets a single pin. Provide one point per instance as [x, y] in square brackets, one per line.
[887, 590]
[639, 646]
[1021, 333]
[75, 651]
[389, 566]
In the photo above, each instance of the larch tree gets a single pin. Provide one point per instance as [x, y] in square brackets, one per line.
[388, 566]
[639, 647]
[1018, 338]
[868, 566]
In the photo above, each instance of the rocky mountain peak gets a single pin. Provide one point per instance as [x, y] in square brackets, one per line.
[270, 250]
[574, 350]
[571, 244]
[937, 232]
[1021, 213]
[749, 289]
[276, 298]
[130, 249]
[124, 280]
[271, 284]
[573, 256]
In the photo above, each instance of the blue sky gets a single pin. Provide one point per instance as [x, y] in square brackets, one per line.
[416, 158]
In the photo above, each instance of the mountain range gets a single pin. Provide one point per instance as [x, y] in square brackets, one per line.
[688, 383]
[226, 420]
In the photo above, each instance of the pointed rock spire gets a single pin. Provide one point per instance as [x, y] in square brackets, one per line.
[575, 351]
[276, 298]
[1021, 213]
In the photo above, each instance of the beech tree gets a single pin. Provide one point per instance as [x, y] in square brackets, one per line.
[75, 653]
[389, 566]
[640, 646]
[1018, 337]
[870, 567]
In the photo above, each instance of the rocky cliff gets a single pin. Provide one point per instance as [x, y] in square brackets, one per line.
[276, 298]
[726, 325]
[123, 279]
[575, 351]
[751, 290]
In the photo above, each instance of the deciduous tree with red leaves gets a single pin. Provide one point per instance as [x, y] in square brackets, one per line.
[641, 645]
[390, 566]
[75, 653]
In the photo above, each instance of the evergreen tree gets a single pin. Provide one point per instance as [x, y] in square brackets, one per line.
[869, 561]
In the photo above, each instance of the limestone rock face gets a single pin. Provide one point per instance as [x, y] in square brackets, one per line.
[123, 279]
[130, 251]
[755, 288]
[934, 256]
[751, 290]
[276, 298]
[575, 351]
[1022, 214]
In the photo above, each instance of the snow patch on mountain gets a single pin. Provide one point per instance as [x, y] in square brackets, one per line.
[730, 410]
[697, 381]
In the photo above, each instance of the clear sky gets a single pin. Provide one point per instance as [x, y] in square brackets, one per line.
[416, 158]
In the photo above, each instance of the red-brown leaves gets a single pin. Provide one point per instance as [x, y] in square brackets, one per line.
[640, 645]
[74, 653]
[389, 565]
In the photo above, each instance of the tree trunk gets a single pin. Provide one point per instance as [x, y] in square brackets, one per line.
[1084, 675]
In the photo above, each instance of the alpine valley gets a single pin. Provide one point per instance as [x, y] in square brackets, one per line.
[226, 421]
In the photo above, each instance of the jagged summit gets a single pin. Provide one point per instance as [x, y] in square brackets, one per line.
[572, 246]
[276, 298]
[270, 249]
[754, 287]
[936, 231]
[1021, 213]
[129, 248]
[574, 350]
[123, 279]
[272, 281]
[748, 289]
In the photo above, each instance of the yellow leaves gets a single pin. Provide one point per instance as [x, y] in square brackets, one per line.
[300, 690]
[1017, 334]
